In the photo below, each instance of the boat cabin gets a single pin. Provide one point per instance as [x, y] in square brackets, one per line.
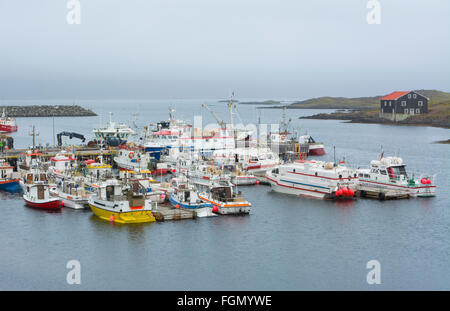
[6, 170]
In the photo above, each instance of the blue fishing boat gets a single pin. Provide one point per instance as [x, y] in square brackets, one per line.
[9, 180]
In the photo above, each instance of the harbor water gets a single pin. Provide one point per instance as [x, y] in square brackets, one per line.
[286, 243]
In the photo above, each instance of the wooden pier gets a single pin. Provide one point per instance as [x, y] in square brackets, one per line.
[165, 212]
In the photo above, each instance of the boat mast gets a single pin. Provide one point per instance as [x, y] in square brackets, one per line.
[230, 106]
[34, 134]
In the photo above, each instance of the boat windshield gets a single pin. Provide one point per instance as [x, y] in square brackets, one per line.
[399, 170]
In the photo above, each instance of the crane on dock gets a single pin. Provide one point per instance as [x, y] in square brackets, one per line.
[71, 135]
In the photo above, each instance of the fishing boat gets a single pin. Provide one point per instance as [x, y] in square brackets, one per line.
[185, 195]
[29, 159]
[283, 141]
[95, 172]
[180, 135]
[243, 178]
[120, 131]
[387, 179]
[72, 194]
[135, 159]
[147, 183]
[204, 175]
[254, 160]
[61, 165]
[37, 192]
[7, 124]
[117, 203]
[9, 180]
[318, 179]
[225, 198]
[314, 148]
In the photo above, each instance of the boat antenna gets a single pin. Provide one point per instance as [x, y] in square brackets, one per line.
[53, 120]
[334, 152]
[258, 134]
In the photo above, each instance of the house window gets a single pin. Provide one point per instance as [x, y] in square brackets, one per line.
[414, 95]
[389, 103]
[406, 111]
[417, 110]
[409, 95]
[404, 103]
[385, 104]
[420, 103]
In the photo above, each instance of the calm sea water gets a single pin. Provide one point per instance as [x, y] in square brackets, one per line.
[287, 243]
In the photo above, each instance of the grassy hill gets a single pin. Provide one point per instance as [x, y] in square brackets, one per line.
[361, 103]
[438, 115]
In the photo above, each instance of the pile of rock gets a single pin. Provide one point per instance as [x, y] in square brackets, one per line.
[47, 111]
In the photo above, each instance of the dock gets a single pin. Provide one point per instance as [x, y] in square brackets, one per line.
[80, 153]
[165, 212]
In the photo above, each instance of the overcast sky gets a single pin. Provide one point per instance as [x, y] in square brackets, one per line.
[268, 49]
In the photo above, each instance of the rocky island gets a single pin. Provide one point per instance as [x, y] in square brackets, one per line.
[47, 111]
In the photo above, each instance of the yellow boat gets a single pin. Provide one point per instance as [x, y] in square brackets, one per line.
[113, 202]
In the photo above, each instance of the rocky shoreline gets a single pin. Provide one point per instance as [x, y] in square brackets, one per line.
[47, 111]
[373, 118]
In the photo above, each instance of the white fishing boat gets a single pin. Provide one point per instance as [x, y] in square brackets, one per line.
[146, 182]
[324, 180]
[133, 159]
[120, 131]
[29, 159]
[225, 198]
[117, 203]
[204, 175]
[387, 178]
[72, 193]
[243, 178]
[95, 172]
[254, 160]
[185, 195]
[61, 165]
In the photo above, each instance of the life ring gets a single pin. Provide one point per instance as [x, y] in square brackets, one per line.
[131, 155]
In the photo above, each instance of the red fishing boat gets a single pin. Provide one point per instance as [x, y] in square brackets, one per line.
[37, 193]
[7, 124]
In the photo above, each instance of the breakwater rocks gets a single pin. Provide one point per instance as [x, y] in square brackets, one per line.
[47, 111]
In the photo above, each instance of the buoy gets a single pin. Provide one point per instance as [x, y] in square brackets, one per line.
[111, 218]
[177, 206]
[345, 192]
[339, 192]
[257, 182]
[162, 196]
[351, 192]
[423, 181]
[62, 203]
[215, 209]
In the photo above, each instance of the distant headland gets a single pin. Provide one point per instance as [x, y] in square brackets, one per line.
[47, 111]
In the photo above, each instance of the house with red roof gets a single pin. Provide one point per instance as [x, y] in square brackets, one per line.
[400, 105]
